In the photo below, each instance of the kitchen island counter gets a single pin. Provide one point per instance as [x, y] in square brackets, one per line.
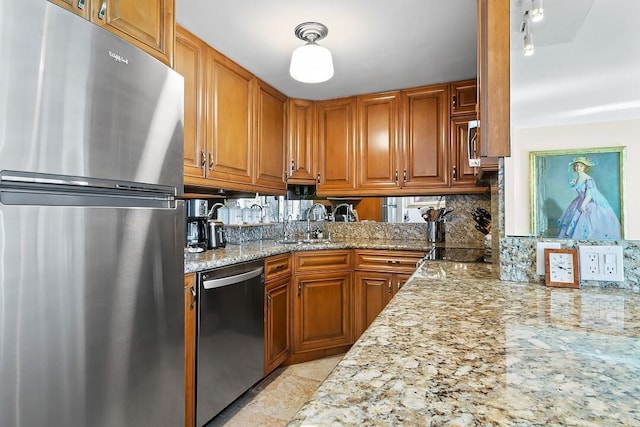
[456, 346]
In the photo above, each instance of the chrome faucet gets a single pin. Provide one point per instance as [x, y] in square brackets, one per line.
[348, 215]
[308, 232]
[215, 205]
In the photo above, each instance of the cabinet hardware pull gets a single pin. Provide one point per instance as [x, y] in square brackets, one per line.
[318, 178]
[404, 175]
[455, 175]
[210, 161]
[455, 99]
[268, 300]
[299, 288]
[203, 160]
[400, 285]
[293, 166]
[80, 4]
[103, 9]
[193, 294]
[396, 175]
[389, 286]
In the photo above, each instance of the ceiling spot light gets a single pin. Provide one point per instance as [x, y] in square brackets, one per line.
[311, 63]
[528, 37]
[537, 11]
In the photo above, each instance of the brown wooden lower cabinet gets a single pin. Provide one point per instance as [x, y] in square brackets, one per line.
[189, 349]
[322, 300]
[277, 327]
[378, 276]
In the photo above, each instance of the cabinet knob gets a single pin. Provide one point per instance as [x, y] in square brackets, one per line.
[103, 9]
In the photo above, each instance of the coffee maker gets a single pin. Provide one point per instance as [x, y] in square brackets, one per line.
[196, 226]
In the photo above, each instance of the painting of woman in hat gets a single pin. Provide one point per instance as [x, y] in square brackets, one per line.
[589, 215]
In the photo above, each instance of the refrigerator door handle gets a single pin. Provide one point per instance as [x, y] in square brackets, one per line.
[15, 179]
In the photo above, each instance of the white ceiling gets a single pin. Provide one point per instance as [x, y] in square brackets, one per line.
[586, 66]
[377, 45]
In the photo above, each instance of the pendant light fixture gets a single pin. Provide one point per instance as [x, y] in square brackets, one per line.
[311, 63]
[537, 11]
[529, 49]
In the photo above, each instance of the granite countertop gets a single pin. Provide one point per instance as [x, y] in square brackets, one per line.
[235, 253]
[456, 346]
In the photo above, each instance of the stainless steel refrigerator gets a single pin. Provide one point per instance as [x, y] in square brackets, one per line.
[91, 232]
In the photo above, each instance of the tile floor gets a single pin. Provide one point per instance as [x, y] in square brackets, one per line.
[276, 399]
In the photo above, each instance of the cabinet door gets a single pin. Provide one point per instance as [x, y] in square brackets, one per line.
[373, 290]
[189, 348]
[322, 311]
[229, 123]
[277, 328]
[398, 281]
[378, 149]
[270, 138]
[79, 7]
[425, 113]
[301, 157]
[189, 62]
[336, 146]
[149, 24]
[461, 173]
[463, 97]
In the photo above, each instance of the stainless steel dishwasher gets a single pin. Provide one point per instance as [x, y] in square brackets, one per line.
[230, 335]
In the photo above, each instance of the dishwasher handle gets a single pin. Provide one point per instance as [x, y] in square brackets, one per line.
[230, 280]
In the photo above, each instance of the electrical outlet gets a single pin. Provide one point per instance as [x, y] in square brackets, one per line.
[601, 263]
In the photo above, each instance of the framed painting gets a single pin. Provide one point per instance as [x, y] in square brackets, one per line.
[578, 194]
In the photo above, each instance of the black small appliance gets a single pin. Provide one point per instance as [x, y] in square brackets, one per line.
[197, 224]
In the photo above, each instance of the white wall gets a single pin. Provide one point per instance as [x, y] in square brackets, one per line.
[589, 135]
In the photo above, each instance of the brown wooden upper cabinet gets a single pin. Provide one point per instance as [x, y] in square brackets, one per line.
[336, 146]
[463, 97]
[270, 138]
[493, 77]
[234, 123]
[379, 154]
[148, 24]
[301, 149]
[425, 118]
[190, 63]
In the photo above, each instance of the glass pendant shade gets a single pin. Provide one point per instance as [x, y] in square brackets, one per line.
[537, 11]
[311, 63]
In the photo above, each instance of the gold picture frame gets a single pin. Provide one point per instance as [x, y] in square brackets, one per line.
[556, 188]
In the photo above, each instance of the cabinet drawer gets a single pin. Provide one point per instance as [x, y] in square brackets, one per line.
[321, 261]
[277, 266]
[388, 261]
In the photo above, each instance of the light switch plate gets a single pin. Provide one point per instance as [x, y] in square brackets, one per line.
[540, 255]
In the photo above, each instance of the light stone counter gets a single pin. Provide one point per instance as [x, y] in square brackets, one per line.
[235, 253]
[458, 347]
